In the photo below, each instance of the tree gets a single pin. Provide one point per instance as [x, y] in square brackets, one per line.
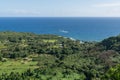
[113, 73]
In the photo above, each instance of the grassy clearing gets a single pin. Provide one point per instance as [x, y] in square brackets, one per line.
[2, 46]
[16, 66]
[50, 41]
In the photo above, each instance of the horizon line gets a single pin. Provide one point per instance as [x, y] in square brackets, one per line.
[59, 17]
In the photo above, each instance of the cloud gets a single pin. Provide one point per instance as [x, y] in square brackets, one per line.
[106, 9]
[64, 31]
[107, 5]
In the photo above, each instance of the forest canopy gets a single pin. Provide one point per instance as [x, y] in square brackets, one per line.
[53, 57]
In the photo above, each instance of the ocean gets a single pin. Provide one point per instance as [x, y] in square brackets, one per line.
[82, 28]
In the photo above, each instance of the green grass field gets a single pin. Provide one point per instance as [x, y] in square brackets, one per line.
[50, 41]
[16, 66]
[2, 46]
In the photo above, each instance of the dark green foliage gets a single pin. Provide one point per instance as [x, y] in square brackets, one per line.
[112, 43]
[113, 73]
[16, 45]
[60, 58]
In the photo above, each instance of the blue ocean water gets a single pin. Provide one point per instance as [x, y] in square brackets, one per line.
[89, 29]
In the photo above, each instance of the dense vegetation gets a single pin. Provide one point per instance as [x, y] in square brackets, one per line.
[28, 56]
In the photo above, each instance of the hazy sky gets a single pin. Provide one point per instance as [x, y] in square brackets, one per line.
[60, 8]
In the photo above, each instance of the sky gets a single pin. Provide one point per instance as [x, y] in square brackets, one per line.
[60, 8]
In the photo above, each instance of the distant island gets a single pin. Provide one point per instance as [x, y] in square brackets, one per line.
[30, 56]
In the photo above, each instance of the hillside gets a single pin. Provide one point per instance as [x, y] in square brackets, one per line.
[29, 56]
